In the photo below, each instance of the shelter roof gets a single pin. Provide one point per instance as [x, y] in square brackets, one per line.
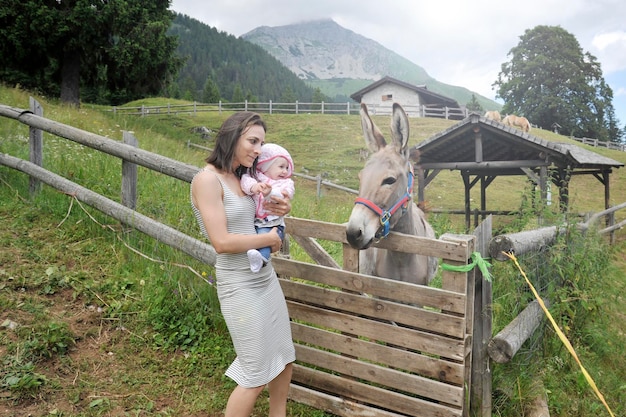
[477, 144]
[428, 97]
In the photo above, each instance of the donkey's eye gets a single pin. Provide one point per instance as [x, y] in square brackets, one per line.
[389, 181]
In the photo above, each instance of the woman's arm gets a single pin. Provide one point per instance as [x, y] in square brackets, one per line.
[207, 197]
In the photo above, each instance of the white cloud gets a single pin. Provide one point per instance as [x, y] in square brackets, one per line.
[611, 50]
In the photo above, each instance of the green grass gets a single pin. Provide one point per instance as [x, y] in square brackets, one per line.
[110, 322]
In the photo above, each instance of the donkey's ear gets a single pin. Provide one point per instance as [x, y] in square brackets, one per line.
[373, 137]
[400, 129]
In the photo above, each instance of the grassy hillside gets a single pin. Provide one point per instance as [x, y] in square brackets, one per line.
[97, 320]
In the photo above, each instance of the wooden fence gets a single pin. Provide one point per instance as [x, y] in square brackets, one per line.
[601, 144]
[365, 345]
[291, 108]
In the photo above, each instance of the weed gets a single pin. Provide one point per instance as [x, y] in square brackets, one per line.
[19, 378]
[46, 339]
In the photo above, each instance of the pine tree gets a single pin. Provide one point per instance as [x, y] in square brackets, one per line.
[106, 51]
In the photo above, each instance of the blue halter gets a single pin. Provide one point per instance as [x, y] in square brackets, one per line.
[385, 215]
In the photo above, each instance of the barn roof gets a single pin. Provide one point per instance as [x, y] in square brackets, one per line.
[485, 149]
[427, 97]
[502, 150]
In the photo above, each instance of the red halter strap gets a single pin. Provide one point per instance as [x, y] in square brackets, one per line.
[385, 215]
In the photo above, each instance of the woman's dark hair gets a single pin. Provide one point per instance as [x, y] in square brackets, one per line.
[227, 139]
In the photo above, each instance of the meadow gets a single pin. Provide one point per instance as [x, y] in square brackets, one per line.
[100, 320]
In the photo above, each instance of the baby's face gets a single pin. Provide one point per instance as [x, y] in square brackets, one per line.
[279, 169]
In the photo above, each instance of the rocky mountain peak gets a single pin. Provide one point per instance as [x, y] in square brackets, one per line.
[322, 49]
[326, 54]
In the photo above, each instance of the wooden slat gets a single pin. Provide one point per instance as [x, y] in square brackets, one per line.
[384, 332]
[389, 289]
[394, 241]
[400, 314]
[428, 366]
[371, 395]
[382, 376]
[424, 246]
[316, 229]
[336, 405]
[315, 251]
[350, 258]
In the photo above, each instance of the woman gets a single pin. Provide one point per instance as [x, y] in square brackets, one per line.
[252, 304]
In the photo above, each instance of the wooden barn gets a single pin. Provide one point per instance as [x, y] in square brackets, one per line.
[380, 96]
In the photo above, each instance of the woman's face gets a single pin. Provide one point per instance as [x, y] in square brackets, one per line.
[249, 146]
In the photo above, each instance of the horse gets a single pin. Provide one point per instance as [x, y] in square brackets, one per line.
[493, 115]
[385, 203]
[518, 122]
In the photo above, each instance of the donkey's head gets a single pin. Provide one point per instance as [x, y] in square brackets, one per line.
[386, 181]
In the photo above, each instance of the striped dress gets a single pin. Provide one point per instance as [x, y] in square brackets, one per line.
[253, 304]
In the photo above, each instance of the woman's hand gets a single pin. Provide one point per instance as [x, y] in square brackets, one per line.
[276, 244]
[278, 206]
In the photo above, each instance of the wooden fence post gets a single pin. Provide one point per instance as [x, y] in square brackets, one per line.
[36, 146]
[129, 175]
[319, 185]
[481, 379]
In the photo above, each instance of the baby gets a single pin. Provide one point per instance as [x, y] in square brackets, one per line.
[274, 169]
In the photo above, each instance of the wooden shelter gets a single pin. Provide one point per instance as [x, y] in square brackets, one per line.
[482, 149]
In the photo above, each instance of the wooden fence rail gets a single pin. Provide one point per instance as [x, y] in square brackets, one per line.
[317, 178]
[161, 232]
[290, 108]
[601, 144]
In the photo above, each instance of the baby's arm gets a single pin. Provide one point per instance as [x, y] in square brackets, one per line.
[287, 188]
[263, 188]
[247, 184]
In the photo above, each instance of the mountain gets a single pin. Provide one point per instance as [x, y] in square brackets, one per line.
[341, 62]
[238, 69]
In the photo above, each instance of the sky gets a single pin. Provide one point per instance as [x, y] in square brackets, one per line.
[458, 42]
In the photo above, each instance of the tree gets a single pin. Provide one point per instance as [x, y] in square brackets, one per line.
[238, 96]
[288, 96]
[318, 97]
[188, 89]
[549, 79]
[211, 92]
[116, 50]
[229, 60]
[474, 105]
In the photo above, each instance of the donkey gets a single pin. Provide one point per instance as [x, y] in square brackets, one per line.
[385, 203]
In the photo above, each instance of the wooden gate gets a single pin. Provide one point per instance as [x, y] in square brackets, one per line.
[369, 346]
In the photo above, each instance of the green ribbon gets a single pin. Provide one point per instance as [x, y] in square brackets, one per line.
[477, 260]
